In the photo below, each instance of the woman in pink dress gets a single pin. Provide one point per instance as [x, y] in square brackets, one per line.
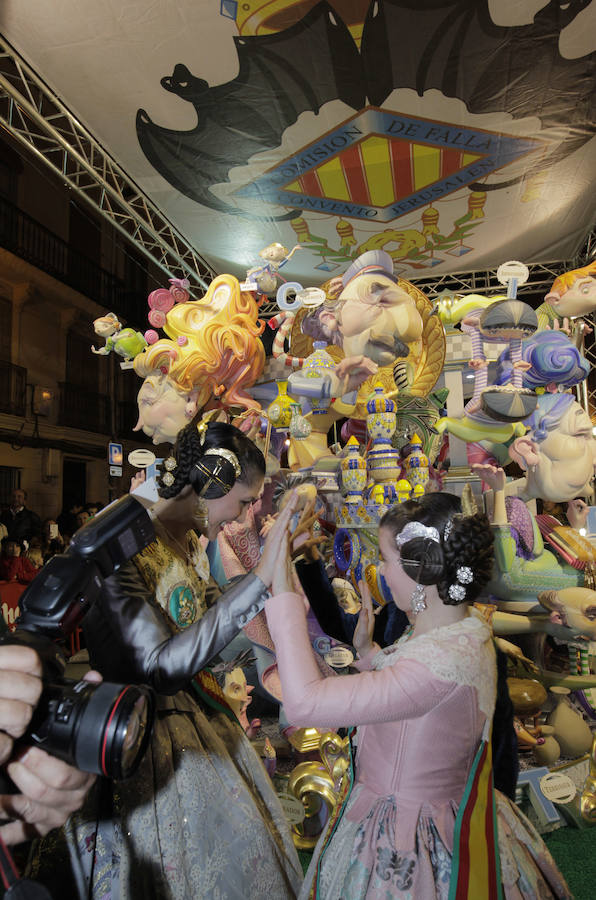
[420, 707]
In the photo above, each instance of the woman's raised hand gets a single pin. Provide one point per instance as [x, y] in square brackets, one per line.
[363, 633]
[276, 549]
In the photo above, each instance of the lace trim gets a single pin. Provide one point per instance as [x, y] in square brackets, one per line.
[462, 653]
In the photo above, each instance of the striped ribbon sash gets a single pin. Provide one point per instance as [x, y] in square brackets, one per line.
[475, 869]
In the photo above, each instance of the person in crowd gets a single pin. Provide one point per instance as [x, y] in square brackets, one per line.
[52, 541]
[67, 520]
[422, 707]
[13, 565]
[200, 817]
[81, 519]
[48, 790]
[21, 523]
[34, 553]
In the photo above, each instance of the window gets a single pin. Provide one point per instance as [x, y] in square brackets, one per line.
[5, 329]
[10, 478]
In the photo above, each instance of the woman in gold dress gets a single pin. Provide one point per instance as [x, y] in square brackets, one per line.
[200, 818]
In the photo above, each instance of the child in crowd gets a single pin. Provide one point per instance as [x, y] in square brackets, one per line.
[14, 566]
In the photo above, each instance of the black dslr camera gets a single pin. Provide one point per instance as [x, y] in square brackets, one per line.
[101, 728]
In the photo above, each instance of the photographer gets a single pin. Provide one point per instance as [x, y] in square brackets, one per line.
[50, 790]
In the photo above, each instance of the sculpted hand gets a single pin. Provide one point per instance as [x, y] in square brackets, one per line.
[266, 525]
[363, 634]
[275, 545]
[493, 476]
[137, 480]
[353, 371]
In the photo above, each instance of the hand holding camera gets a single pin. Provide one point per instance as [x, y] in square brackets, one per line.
[49, 789]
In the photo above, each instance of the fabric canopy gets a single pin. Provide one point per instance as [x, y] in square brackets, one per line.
[454, 134]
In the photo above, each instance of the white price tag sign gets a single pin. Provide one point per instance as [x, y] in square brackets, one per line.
[293, 809]
[557, 788]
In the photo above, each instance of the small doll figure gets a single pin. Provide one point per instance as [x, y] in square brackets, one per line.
[126, 342]
[267, 275]
[231, 678]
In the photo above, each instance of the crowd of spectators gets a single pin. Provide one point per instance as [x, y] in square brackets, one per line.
[27, 542]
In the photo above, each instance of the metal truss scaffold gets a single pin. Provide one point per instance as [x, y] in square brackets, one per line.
[33, 115]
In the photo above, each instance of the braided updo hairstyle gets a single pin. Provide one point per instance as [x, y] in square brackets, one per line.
[188, 451]
[469, 543]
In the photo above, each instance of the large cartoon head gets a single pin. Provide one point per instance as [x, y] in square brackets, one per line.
[213, 355]
[574, 293]
[372, 316]
[573, 607]
[558, 452]
[164, 409]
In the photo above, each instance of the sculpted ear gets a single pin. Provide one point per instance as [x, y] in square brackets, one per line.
[328, 319]
[523, 451]
[548, 599]
[192, 404]
[554, 295]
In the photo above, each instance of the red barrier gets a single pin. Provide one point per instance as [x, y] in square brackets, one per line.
[10, 594]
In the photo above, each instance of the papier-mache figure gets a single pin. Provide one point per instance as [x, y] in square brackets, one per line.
[572, 295]
[558, 452]
[370, 318]
[266, 275]
[126, 342]
[370, 315]
[211, 356]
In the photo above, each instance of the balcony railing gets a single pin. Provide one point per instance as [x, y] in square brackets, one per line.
[83, 409]
[13, 389]
[31, 241]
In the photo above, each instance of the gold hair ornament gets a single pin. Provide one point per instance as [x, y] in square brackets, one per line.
[227, 455]
[223, 453]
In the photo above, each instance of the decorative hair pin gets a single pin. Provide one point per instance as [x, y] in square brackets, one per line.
[228, 456]
[449, 526]
[464, 576]
[416, 530]
[202, 430]
[169, 464]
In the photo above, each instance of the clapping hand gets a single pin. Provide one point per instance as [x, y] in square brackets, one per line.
[276, 548]
[363, 633]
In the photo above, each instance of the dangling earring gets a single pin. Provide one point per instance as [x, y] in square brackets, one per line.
[201, 515]
[418, 599]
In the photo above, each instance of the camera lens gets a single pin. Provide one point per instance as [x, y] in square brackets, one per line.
[126, 736]
[101, 728]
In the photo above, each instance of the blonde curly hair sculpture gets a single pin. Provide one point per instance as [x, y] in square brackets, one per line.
[222, 355]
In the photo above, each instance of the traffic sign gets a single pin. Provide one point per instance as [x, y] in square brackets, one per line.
[114, 454]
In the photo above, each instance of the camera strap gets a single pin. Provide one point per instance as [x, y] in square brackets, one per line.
[17, 888]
